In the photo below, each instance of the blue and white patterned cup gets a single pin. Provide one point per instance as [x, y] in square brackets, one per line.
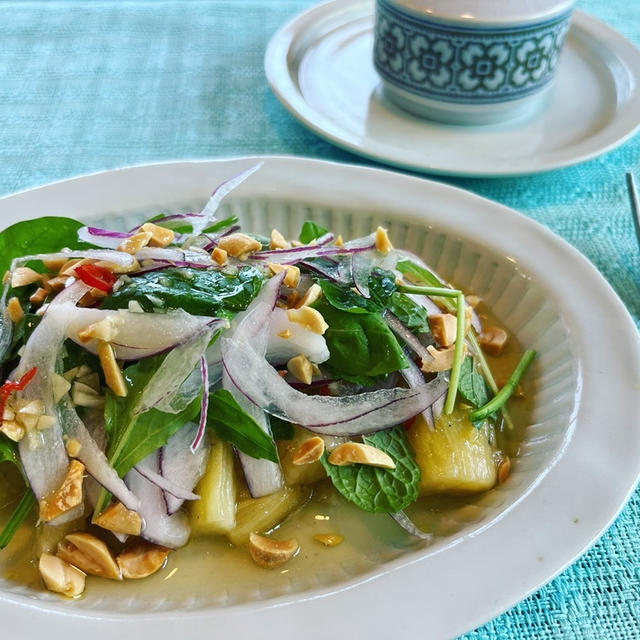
[469, 62]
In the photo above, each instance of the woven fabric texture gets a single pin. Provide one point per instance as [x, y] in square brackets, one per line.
[92, 86]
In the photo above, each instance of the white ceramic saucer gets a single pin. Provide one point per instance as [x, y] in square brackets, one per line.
[319, 66]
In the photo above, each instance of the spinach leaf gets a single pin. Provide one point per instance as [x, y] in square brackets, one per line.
[346, 299]
[472, 386]
[382, 286]
[231, 424]
[310, 231]
[379, 490]
[360, 344]
[412, 315]
[197, 291]
[43, 235]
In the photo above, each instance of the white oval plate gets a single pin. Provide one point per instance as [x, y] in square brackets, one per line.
[578, 464]
[320, 67]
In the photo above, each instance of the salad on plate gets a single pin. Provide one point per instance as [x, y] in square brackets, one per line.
[187, 378]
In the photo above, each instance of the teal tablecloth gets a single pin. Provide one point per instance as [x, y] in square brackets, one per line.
[86, 86]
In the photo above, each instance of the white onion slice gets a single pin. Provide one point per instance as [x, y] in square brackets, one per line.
[180, 466]
[403, 520]
[102, 237]
[209, 210]
[168, 530]
[414, 378]
[93, 457]
[141, 335]
[204, 406]
[402, 332]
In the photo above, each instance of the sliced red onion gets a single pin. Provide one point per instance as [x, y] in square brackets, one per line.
[180, 465]
[42, 451]
[204, 405]
[414, 378]
[365, 413]
[176, 257]
[141, 335]
[360, 271]
[405, 334]
[116, 257]
[331, 270]
[209, 210]
[166, 485]
[102, 237]
[437, 407]
[295, 255]
[189, 217]
[168, 530]
[403, 520]
[430, 306]
[166, 382]
[263, 477]
[93, 457]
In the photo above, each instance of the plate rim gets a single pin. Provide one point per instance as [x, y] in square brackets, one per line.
[280, 75]
[267, 609]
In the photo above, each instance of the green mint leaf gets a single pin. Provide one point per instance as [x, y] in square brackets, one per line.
[43, 235]
[472, 386]
[382, 286]
[379, 490]
[346, 299]
[197, 291]
[360, 344]
[311, 231]
[231, 424]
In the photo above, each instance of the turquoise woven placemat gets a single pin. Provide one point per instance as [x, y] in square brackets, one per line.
[92, 86]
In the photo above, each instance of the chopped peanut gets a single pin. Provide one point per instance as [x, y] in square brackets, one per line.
[89, 554]
[117, 518]
[67, 496]
[57, 283]
[493, 340]
[442, 359]
[358, 453]
[383, 244]
[141, 560]
[112, 372]
[134, 243]
[339, 242]
[15, 310]
[301, 368]
[285, 334]
[106, 329]
[444, 328]
[160, 237]
[310, 451]
[12, 430]
[292, 273]
[239, 245]
[277, 240]
[39, 296]
[309, 318]
[504, 469]
[73, 447]
[219, 256]
[22, 276]
[61, 577]
[268, 553]
[310, 296]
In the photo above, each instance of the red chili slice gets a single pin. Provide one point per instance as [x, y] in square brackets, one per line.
[14, 385]
[95, 276]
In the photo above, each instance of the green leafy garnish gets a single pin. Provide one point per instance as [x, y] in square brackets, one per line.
[497, 402]
[345, 299]
[15, 519]
[281, 429]
[43, 235]
[231, 424]
[412, 315]
[197, 291]
[131, 435]
[379, 490]
[472, 386]
[9, 453]
[360, 344]
[311, 231]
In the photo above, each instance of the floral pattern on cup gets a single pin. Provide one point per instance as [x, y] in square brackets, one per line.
[462, 64]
